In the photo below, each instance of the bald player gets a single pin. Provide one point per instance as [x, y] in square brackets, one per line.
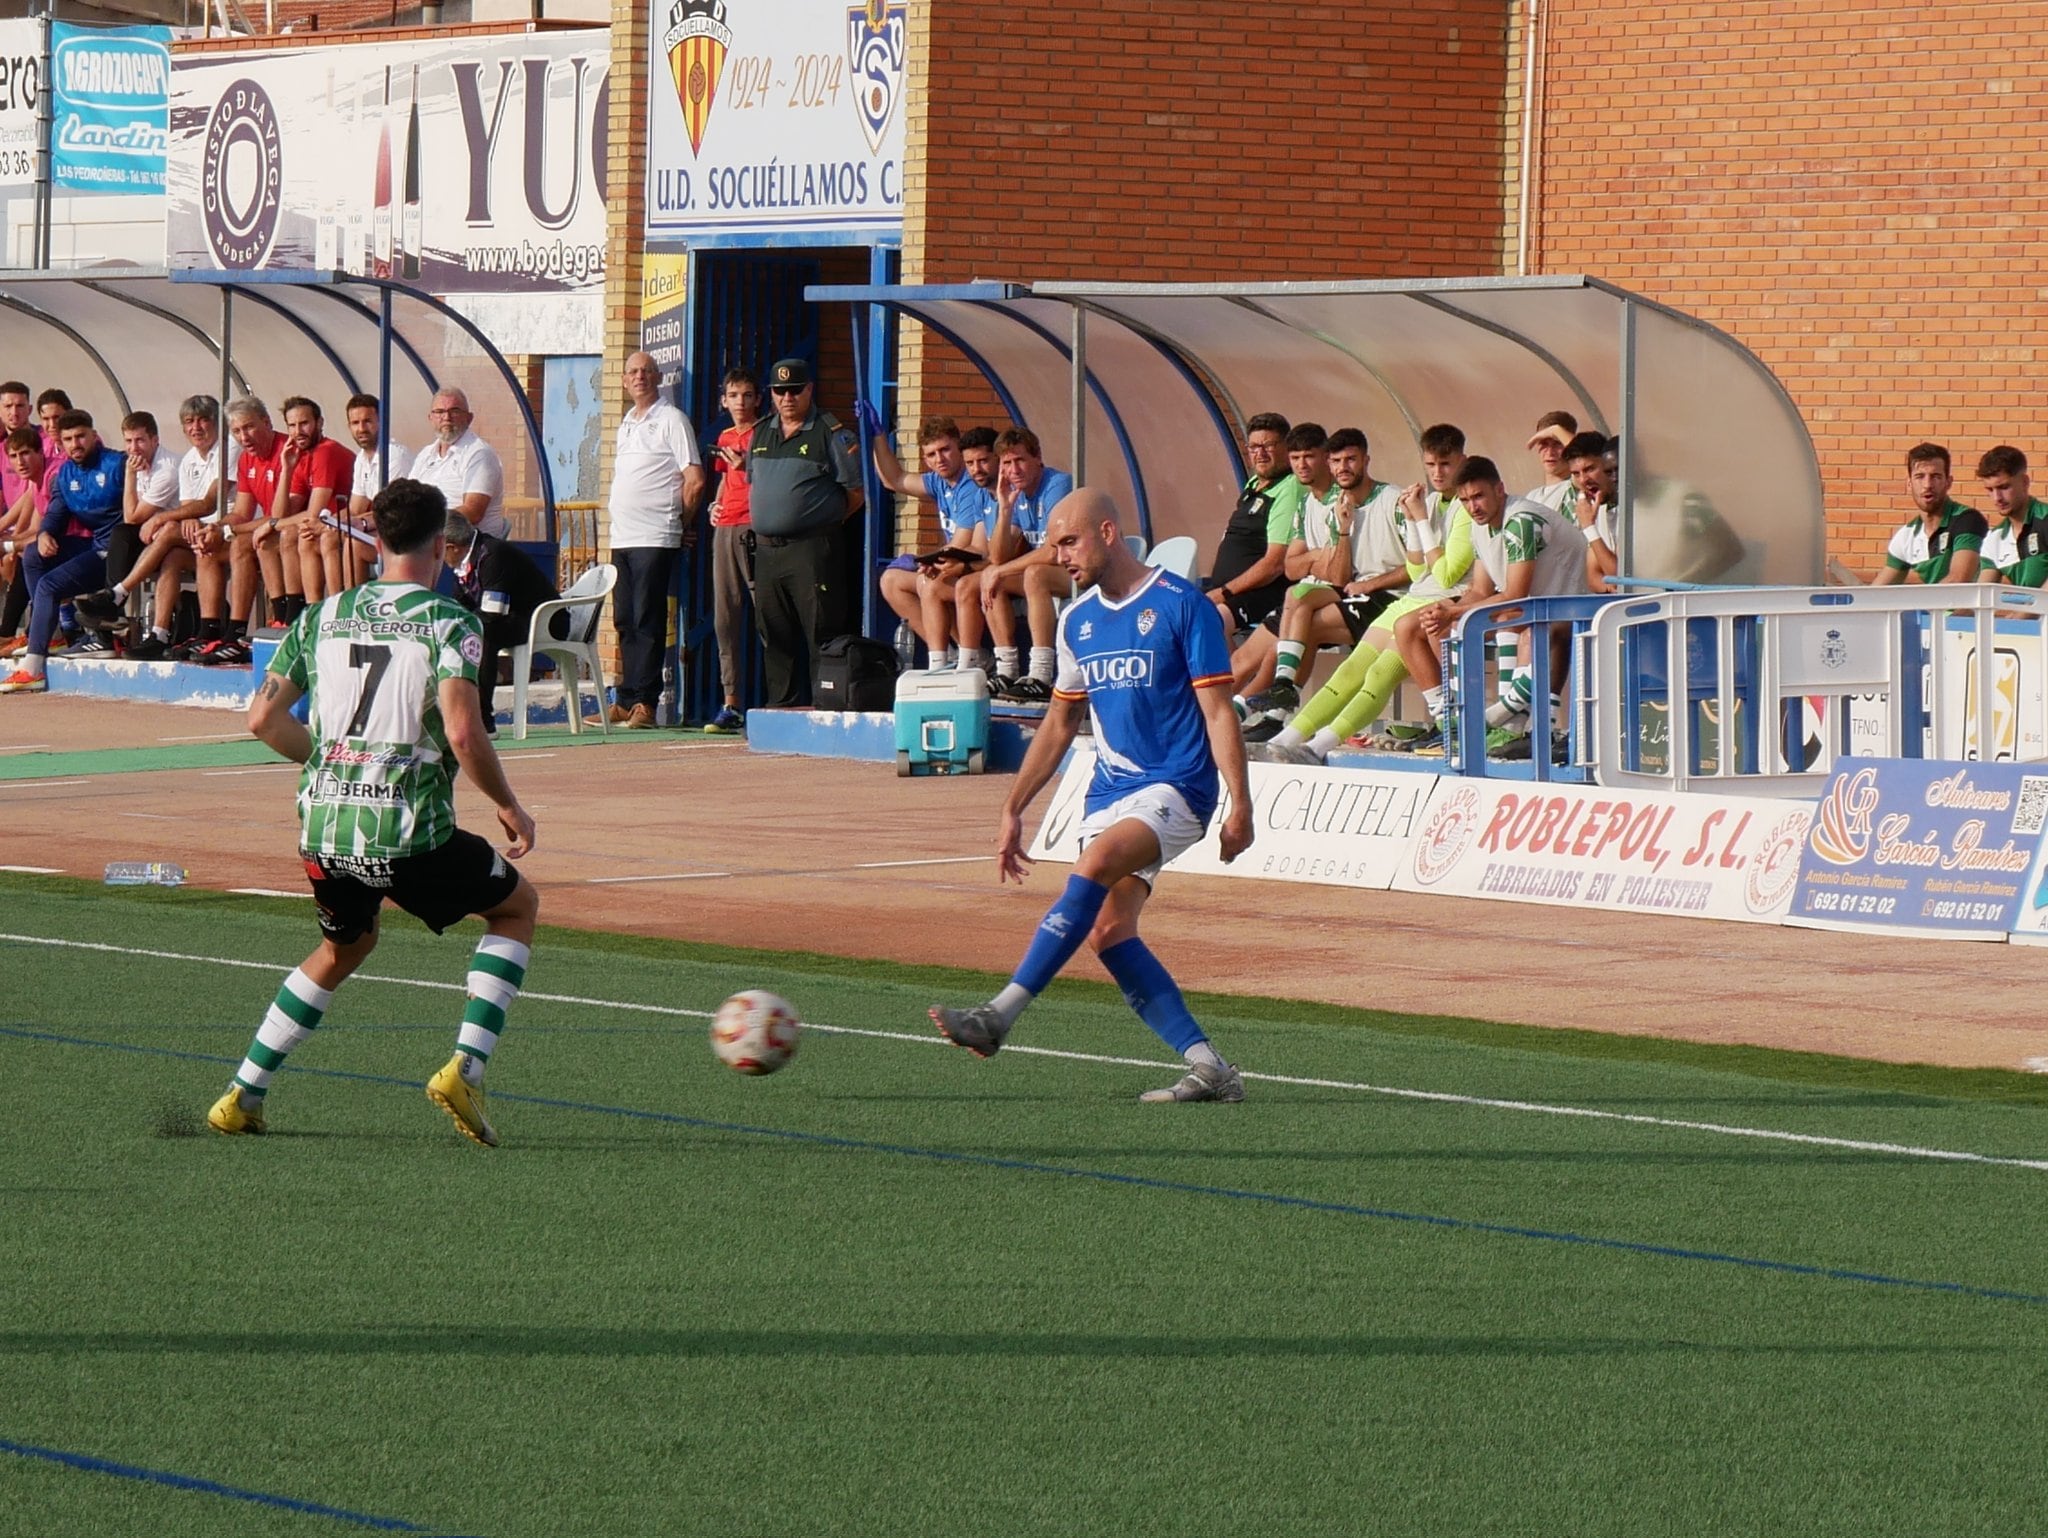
[1144, 650]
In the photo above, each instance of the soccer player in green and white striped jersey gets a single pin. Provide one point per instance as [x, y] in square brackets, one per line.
[389, 670]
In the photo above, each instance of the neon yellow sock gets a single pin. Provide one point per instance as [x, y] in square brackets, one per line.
[1381, 680]
[1331, 699]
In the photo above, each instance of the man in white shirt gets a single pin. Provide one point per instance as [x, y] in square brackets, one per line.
[466, 469]
[657, 479]
[348, 558]
[148, 527]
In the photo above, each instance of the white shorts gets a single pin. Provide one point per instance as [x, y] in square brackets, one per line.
[1160, 808]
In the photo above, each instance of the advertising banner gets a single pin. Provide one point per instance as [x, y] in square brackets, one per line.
[1580, 846]
[465, 166]
[1922, 846]
[664, 283]
[1327, 827]
[775, 115]
[110, 95]
[21, 68]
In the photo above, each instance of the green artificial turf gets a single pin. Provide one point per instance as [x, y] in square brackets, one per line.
[897, 1290]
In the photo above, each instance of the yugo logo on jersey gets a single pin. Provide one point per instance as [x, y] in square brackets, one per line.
[1118, 670]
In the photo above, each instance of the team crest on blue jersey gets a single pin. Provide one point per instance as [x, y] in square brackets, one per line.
[1146, 621]
[875, 31]
[1087, 629]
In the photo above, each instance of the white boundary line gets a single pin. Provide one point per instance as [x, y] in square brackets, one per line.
[35, 784]
[955, 859]
[25, 747]
[679, 875]
[1526, 1107]
[34, 870]
[265, 891]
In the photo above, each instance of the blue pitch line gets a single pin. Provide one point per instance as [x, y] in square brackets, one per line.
[1113, 1177]
[84, 1463]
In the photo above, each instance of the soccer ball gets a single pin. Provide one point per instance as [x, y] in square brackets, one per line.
[754, 1031]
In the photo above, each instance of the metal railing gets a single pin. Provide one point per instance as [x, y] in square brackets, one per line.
[1469, 678]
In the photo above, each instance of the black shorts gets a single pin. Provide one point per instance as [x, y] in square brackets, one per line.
[1358, 613]
[442, 887]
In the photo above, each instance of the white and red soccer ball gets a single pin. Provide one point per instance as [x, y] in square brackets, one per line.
[755, 1031]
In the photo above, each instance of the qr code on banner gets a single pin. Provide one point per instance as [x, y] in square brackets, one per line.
[2032, 813]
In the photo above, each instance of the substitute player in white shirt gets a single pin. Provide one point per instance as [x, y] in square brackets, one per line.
[349, 553]
[1145, 651]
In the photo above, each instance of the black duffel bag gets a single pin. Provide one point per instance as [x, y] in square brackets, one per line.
[855, 673]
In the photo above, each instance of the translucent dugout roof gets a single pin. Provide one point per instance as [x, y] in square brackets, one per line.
[1716, 462]
[120, 341]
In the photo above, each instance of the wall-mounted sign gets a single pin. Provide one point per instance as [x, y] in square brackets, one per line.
[775, 116]
[109, 93]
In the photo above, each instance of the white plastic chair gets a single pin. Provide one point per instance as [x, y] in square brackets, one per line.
[1136, 542]
[583, 603]
[1176, 555]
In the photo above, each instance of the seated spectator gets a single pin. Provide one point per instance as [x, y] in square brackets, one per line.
[148, 527]
[2016, 548]
[498, 583]
[69, 555]
[1350, 563]
[1554, 433]
[199, 532]
[26, 487]
[50, 408]
[1253, 661]
[246, 531]
[319, 474]
[922, 590]
[465, 469]
[1021, 565]
[15, 412]
[1248, 578]
[345, 559]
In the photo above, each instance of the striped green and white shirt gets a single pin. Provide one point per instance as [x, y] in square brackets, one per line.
[381, 780]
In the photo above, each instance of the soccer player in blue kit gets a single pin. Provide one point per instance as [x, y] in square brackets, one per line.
[1145, 651]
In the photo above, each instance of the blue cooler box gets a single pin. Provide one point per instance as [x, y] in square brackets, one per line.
[942, 721]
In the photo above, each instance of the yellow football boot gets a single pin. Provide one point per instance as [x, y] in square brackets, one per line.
[231, 1114]
[463, 1101]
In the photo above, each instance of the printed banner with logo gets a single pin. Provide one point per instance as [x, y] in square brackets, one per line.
[465, 166]
[1922, 846]
[21, 69]
[776, 115]
[664, 312]
[1581, 846]
[110, 95]
[1328, 827]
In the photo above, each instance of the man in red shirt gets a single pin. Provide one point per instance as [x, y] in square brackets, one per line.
[319, 473]
[257, 474]
[732, 540]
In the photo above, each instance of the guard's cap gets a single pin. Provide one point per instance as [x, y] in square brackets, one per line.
[790, 371]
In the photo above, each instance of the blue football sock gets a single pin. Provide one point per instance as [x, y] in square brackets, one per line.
[1152, 992]
[1060, 933]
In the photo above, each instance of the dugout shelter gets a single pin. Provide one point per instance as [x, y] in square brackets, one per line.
[1144, 389]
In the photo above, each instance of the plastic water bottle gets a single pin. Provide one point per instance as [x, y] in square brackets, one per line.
[906, 645]
[145, 873]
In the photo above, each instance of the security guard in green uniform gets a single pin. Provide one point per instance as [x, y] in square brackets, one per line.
[803, 480]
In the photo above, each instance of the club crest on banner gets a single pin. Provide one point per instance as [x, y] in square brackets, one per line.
[874, 57]
[696, 40]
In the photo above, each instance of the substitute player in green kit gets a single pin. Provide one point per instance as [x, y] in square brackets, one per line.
[390, 671]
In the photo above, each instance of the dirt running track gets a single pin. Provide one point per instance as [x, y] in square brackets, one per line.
[782, 852]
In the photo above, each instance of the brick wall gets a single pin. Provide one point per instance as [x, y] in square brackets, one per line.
[1191, 140]
[1856, 195]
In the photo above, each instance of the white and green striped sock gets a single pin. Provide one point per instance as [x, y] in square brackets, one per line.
[290, 1020]
[1290, 654]
[496, 973]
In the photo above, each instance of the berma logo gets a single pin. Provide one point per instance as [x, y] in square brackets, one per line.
[241, 176]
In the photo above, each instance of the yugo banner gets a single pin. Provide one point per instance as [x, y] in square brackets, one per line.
[775, 115]
[1629, 851]
[468, 166]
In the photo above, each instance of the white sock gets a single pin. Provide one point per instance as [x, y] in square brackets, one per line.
[120, 592]
[161, 634]
[1324, 742]
[1288, 737]
[1006, 661]
[1203, 1052]
[1434, 699]
[1043, 663]
[1010, 1002]
[32, 665]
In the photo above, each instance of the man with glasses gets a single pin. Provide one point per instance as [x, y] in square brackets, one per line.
[1249, 578]
[462, 467]
[803, 482]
